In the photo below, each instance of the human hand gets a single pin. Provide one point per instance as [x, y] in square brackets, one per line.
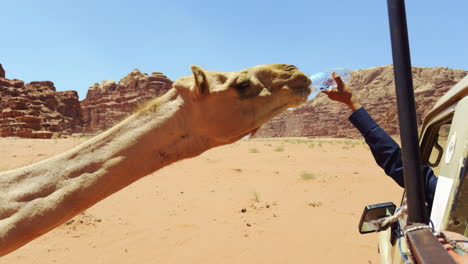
[342, 93]
[459, 259]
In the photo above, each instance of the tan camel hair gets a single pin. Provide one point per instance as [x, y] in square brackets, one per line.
[200, 112]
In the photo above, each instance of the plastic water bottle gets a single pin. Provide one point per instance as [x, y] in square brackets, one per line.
[323, 81]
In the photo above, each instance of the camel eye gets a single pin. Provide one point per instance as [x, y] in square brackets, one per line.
[243, 86]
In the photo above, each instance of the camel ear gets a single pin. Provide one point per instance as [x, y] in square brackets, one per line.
[201, 83]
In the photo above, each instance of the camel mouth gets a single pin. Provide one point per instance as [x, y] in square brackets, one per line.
[302, 92]
[305, 91]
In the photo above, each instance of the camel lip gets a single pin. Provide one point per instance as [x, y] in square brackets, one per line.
[302, 90]
[303, 93]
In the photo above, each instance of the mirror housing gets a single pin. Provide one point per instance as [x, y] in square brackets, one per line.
[372, 213]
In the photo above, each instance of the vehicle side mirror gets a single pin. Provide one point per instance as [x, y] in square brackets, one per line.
[372, 213]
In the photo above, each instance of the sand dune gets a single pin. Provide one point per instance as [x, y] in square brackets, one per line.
[255, 201]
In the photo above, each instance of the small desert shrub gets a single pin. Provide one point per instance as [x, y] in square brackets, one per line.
[256, 197]
[315, 204]
[254, 150]
[308, 176]
[279, 149]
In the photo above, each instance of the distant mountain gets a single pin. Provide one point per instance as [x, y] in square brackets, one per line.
[109, 102]
[36, 109]
[375, 88]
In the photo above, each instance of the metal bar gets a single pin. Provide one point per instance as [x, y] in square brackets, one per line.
[426, 249]
[414, 183]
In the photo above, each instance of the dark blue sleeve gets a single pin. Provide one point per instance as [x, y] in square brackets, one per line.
[387, 153]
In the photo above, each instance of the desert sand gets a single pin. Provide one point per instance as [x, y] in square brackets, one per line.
[254, 201]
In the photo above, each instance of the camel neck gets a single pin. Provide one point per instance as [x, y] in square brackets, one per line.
[41, 196]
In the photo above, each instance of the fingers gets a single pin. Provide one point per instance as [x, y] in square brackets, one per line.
[330, 93]
[339, 81]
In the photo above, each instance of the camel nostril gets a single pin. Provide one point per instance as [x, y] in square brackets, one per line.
[301, 80]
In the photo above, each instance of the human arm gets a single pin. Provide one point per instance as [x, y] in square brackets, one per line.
[385, 150]
[387, 153]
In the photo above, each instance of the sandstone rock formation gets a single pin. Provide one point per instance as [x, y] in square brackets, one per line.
[36, 109]
[110, 102]
[2, 71]
[375, 89]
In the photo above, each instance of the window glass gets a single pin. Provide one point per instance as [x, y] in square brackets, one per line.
[438, 148]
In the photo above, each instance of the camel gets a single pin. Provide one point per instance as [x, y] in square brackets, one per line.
[202, 111]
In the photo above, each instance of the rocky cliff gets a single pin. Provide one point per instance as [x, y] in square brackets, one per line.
[376, 91]
[36, 109]
[110, 102]
[2, 71]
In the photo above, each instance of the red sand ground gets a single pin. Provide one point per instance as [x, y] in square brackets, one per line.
[303, 201]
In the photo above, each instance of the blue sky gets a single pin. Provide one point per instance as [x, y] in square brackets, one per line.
[77, 43]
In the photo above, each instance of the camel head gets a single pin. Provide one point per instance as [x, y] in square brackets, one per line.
[227, 106]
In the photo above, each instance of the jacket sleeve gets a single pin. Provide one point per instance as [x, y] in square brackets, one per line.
[387, 153]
